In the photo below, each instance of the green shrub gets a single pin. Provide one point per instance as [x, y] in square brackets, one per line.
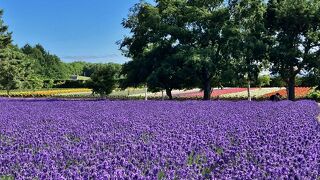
[315, 95]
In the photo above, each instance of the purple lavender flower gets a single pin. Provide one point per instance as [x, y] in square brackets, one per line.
[51, 139]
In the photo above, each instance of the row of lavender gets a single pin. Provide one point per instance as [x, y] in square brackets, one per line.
[147, 140]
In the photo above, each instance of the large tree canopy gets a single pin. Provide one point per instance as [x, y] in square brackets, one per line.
[193, 35]
[295, 28]
[105, 79]
[249, 43]
[155, 50]
[14, 68]
[46, 65]
[214, 37]
[11, 60]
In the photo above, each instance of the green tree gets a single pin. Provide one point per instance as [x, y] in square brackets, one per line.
[46, 65]
[312, 79]
[294, 27]
[250, 40]
[90, 68]
[104, 80]
[277, 81]
[5, 36]
[170, 73]
[76, 68]
[48, 84]
[229, 77]
[198, 28]
[34, 82]
[154, 49]
[11, 60]
[264, 80]
[205, 33]
[13, 65]
[38, 59]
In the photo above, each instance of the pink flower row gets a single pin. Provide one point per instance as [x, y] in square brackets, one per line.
[215, 93]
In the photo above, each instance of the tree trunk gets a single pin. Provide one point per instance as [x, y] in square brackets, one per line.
[146, 93]
[220, 85]
[103, 96]
[162, 95]
[169, 93]
[8, 92]
[291, 88]
[206, 82]
[249, 81]
[207, 90]
[249, 90]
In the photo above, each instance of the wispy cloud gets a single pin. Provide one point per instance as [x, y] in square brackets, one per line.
[96, 59]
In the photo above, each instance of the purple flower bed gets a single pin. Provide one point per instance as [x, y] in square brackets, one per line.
[149, 140]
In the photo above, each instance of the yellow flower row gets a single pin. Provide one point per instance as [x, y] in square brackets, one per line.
[45, 93]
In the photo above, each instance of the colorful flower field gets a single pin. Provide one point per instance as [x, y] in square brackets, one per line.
[45, 93]
[51, 139]
[255, 93]
[300, 92]
[215, 93]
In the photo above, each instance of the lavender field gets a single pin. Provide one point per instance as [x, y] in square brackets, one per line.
[49, 139]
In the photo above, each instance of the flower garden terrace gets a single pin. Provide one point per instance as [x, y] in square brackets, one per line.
[139, 93]
[54, 139]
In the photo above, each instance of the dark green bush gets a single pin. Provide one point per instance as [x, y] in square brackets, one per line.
[314, 96]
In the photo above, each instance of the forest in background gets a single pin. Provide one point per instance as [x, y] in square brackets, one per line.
[184, 45]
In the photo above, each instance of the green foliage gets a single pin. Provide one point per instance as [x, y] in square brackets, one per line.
[14, 65]
[16, 71]
[7, 177]
[206, 172]
[315, 95]
[248, 40]
[312, 79]
[72, 84]
[175, 44]
[49, 67]
[48, 84]
[90, 68]
[220, 43]
[46, 65]
[157, 60]
[264, 80]
[210, 32]
[104, 79]
[5, 36]
[185, 44]
[76, 68]
[191, 158]
[34, 82]
[161, 175]
[13, 68]
[5, 41]
[295, 31]
[277, 81]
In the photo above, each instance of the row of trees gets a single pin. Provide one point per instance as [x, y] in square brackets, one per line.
[33, 67]
[180, 44]
[183, 44]
[48, 66]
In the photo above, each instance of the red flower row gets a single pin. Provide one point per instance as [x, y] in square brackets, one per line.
[299, 92]
[215, 93]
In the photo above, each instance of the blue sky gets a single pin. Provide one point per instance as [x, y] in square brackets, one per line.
[72, 29]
